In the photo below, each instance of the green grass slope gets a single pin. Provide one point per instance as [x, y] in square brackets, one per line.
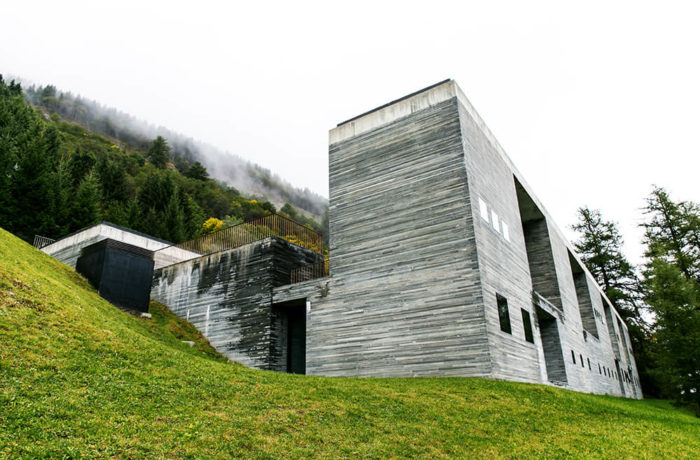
[79, 378]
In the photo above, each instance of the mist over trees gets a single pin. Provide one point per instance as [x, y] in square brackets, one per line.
[134, 134]
[56, 177]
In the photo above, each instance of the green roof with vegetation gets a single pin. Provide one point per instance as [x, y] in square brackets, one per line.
[78, 377]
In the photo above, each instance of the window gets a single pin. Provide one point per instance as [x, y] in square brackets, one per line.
[494, 221]
[599, 370]
[589, 364]
[527, 325]
[573, 356]
[506, 233]
[503, 315]
[582, 364]
[484, 210]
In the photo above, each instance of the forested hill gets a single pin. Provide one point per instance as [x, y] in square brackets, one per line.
[57, 176]
[130, 133]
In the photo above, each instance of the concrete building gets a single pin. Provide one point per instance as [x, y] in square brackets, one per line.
[443, 262]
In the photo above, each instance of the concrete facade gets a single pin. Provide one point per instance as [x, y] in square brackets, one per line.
[443, 262]
[228, 297]
[431, 224]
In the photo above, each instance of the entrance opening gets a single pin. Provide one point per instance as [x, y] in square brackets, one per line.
[551, 346]
[539, 248]
[583, 294]
[289, 336]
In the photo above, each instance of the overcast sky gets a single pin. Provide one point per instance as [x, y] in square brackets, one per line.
[593, 101]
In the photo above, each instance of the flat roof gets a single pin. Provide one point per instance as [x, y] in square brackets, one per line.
[394, 101]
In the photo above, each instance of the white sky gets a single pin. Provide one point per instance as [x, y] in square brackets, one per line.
[593, 101]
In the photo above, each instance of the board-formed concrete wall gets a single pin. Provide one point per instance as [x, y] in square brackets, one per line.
[426, 231]
[441, 262]
[228, 296]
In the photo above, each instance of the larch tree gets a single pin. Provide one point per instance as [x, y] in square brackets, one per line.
[600, 246]
[672, 291]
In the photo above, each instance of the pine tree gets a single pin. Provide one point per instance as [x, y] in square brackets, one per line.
[112, 176]
[197, 171]
[159, 153]
[174, 220]
[600, 248]
[60, 197]
[672, 290]
[86, 207]
[80, 165]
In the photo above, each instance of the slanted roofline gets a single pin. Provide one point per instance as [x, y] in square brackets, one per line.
[426, 98]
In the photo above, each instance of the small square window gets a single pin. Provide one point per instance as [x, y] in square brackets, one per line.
[506, 233]
[503, 314]
[494, 221]
[527, 325]
[484, 210]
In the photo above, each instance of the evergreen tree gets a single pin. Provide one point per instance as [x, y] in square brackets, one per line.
[174, 220]
[80, 165]
[31, 187]
[86, 206]
[156, 191]
[600, 248]
[194, 216]
[672, 288]
[159, 153]
[61, 194]
[112, 176]
[197, 171]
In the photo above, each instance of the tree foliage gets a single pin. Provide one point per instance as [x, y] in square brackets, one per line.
[197, 171]
[672, 290]
[159, 153]
[600, 247]
[56, 177]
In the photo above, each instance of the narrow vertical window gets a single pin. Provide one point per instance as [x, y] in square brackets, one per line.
[589, 364]
[504, 229]
[484, 210]
[494, 221]
[527, 325]
[573, 356]
[503, 314]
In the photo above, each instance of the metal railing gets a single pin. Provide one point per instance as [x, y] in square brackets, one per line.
[309, 272]
[41, 241]
[255, 230]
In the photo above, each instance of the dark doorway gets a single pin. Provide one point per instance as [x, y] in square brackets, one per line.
[289, 351]
[551, 346]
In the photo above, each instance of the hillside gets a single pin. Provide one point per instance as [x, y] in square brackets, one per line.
[134, 134]
[80, 378]
[56, 177]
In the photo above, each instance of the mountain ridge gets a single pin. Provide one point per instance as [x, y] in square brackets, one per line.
[245, 175]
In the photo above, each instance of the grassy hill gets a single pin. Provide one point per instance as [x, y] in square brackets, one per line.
[80, 378]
